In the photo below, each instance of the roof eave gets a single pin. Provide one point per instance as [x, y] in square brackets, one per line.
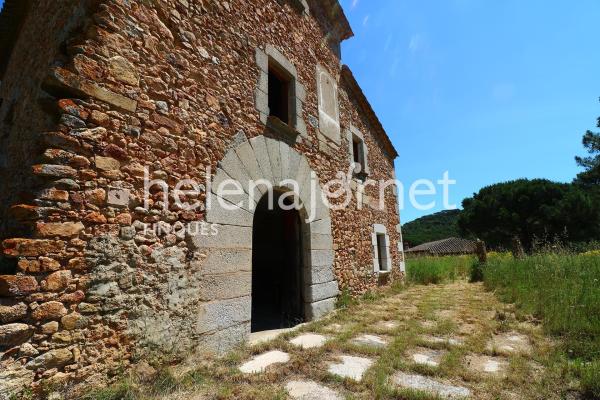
[348, 76]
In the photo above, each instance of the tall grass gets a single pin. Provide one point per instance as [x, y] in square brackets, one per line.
[434, 270]
[562, 290]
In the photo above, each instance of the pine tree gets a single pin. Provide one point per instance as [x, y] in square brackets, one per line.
[591, 163]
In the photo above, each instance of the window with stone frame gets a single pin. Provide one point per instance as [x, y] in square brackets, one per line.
[382, 261]
[280, 96]
[358, 152]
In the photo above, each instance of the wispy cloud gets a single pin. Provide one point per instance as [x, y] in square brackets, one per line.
[366, 20]
[354, 4]
[388, 43]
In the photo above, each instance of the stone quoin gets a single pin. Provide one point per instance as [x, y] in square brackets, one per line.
[95, 96]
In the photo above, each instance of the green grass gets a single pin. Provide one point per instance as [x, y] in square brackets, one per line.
[563, 291]
[435, 270]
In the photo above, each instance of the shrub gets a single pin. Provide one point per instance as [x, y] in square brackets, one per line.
[345, 299]
[476, 272]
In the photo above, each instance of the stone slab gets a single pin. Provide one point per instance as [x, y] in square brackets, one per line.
[319, 241]
[240, 199]
[351, 367]
[232, 165]
[219, 315]
[510, 343]
[309, 341]
[428, 357]
[223, 341]
[225, 286]
[284, 157]
[223, 212]
[319, 309]
[322, 227]
[321, 291]
[316, 275]
[428, 385]
[273, 148]
[370, 340]
[223, 261]
[488, 365]
[321, 257]
[228, 237]
[261, 362]
[262, 156]
[442, 340]
[308, 390]
[245, 153]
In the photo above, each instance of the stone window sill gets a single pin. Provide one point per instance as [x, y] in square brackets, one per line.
[281, 127]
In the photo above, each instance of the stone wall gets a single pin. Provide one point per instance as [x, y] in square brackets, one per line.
[102, 90]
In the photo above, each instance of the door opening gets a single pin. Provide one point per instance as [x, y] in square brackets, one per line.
[277, 267]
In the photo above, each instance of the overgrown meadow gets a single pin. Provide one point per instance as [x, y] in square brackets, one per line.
[559, 289]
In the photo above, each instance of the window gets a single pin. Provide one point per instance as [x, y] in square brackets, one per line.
[279, 95]
[381, 249]
[358, 152]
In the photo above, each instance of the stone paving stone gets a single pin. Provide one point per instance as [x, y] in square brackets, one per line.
[308, 390]
[442, 340]
[424, 384]
[261, 362]
[351, 367]
[429, 357]
[370, 340]
[488, 365]
[509, 343]
[309, 341]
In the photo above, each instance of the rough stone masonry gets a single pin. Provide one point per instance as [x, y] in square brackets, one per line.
[94, 93]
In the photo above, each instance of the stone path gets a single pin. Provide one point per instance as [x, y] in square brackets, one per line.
[441, 341]
[351, 367]
[309, 341]
[262, 362]
[308, 390]
[424, 384]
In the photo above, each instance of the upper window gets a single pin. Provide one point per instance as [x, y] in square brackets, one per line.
[279, 93]
[358, 152]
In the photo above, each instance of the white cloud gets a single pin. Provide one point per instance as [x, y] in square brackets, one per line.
[354, 4]
[366, 20]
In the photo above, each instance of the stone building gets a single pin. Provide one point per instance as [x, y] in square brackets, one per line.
[108, 108]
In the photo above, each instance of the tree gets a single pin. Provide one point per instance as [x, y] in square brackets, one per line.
[531, 209]
[591, 175]
[429, 228]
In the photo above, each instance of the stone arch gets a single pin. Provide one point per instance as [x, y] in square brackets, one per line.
[262, 159]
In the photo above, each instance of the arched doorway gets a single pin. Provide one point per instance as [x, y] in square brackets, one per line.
[277, 266]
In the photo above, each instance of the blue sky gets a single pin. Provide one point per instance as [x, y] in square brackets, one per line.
[487, 90]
